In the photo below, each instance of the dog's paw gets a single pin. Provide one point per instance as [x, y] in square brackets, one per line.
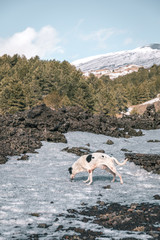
[86, 181]
[89, 183]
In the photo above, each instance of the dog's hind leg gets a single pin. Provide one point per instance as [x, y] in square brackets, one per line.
[114, 176]
[109, 170]
[121, 180]
[113, 173]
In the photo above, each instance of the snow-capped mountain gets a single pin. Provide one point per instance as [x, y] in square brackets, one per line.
[143, 57]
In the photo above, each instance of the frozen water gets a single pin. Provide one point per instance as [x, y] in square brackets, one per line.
[41, 185]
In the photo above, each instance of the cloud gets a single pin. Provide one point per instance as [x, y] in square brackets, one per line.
[128, 41]
[100, 36]
[43, 43]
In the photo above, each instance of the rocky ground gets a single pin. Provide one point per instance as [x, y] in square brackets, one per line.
[23, 132]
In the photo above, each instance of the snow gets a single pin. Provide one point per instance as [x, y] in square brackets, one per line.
[87, 59]
[142, 56]
[128, 111]
[42, 185]
[151, 101]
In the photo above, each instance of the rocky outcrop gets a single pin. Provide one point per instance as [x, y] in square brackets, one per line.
[23, 132]
[150, 162]
[149, 120]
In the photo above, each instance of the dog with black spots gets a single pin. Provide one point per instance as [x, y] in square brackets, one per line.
[88, 163]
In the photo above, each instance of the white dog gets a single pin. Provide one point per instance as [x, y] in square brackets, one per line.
[88, 163]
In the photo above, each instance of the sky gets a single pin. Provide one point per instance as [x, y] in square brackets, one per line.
[75, 29]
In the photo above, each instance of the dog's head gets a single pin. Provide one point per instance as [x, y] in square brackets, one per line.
[74, 169]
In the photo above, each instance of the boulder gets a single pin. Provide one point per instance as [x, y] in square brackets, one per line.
[109, 142]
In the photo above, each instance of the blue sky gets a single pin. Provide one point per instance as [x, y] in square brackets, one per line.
[73, 29]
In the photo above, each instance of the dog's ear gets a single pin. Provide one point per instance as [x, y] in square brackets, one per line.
[89, 158]
[70, 170]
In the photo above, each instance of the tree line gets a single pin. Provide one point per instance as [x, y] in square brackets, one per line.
[25, 83]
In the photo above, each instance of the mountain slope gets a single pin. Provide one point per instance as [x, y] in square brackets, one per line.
[143, 56]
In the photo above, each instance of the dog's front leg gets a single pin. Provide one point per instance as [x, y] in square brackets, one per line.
[90, 177]
[86, 180]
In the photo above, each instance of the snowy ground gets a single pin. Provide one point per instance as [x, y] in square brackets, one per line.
[41, 185]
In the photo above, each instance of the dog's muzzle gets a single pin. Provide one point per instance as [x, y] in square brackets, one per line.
[72, 177]
[71, 174]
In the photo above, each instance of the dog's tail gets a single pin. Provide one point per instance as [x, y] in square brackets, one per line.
[121, 164]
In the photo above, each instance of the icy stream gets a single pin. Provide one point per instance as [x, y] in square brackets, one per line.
[41, 185]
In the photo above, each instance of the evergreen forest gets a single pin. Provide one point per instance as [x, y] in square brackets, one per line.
[25, 83]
